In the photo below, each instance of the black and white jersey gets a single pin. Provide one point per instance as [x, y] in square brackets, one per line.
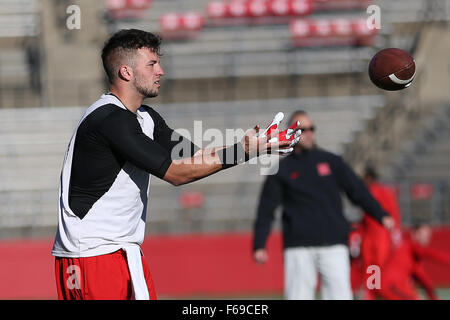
[106, 176]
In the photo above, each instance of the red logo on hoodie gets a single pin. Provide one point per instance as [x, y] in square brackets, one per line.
[323, 169]
[294, 175]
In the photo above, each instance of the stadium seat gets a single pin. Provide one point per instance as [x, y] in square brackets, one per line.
[121, 9]
[335, 5]
[181, 25]
[242, 12]
[191, 199]
[331, 32]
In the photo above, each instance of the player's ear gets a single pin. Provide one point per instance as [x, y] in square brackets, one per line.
[125, 73]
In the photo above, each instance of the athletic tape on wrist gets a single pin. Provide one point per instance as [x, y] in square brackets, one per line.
[232, 156]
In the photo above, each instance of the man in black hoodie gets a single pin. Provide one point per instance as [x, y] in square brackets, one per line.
[308, 185]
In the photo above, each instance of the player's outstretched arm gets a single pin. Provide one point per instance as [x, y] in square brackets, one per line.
[125, 137]
[208, 162]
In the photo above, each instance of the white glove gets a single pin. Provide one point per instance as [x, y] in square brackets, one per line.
[287, 135]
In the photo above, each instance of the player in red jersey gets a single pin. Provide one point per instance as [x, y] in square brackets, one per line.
[405, 266]
[376, 242]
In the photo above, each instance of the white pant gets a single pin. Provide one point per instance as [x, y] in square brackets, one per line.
[301, 265]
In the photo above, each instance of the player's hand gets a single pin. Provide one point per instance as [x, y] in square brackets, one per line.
[260, 256]
[255, 145]
[291, 134]
[388, 222]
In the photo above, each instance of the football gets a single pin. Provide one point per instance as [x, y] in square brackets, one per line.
[392, 69]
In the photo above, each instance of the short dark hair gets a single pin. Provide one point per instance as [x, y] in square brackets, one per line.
[416, 225]
[124, 43]
[371, 172]
[296, 114]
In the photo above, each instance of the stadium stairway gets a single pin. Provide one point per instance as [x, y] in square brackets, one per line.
[33, 143]
[426, 156]
[423, 165]
[19, 73]
[73, 73]
[407, 140]
[407, 111]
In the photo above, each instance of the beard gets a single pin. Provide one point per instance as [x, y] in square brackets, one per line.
[145, 91]
[306, 147]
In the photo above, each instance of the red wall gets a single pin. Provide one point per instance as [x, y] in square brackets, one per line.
[181, 265]
[220, 263]
[439, 273]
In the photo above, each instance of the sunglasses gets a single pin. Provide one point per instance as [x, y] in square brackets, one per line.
[312, 129]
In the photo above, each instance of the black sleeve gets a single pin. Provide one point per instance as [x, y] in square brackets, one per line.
[122, 131]
[169, 139]
[269, 200]
[356, 190]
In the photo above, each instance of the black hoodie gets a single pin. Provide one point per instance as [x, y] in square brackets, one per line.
[308, 185]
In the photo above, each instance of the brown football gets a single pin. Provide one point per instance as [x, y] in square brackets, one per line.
[392, 69]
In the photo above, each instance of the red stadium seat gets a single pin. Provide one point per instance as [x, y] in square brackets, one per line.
[121, 9]
[331, 32]
[241, 12]
[280, 7]
[192, 21]
[116, 4]
[191, 199]
[257, 8]
[321, 28]
[342, 27]
[365, 36]
[301, 7]
[238, 9]
[170, 22]
[300, 28]
[138, 4]
[181, 25]
[334, 5]
[421, 191]
[217, 9]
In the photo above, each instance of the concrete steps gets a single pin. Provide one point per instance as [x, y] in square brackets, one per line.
[33, 143]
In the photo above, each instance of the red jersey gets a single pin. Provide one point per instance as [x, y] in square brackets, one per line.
[409, 254]
[376, 243]
[387, 198]
[405, 264]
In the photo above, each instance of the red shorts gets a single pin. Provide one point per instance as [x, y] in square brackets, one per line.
[104, 277]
